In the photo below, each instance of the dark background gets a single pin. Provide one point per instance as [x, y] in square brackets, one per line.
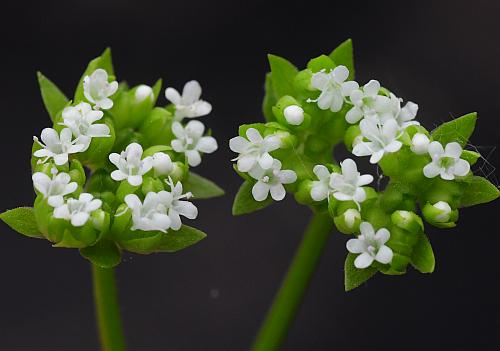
[444, 55]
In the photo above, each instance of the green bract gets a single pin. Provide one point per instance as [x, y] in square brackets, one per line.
[113, 172]
[308, 113]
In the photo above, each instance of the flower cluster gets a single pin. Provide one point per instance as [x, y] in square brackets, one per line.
[309, 113]
[136, 185]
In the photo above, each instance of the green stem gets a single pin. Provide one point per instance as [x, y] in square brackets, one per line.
[107, 309]
[289, 297]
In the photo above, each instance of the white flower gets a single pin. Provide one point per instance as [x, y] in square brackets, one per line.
[189, 104]
[57, 146]
[191, 142]
[78, 210]
[129, 164]
[162, 164]
[255, 150]
[445, 209]
[333, 88]
[382, 139]
[80, 119]
[143, 92]
[321, 189]
[271, 180]
[294, 114]
[403, 115]
[368, 104]
[420, 143]
[55, 188]
[152, 213]
[371, 246]
[446, 162]
[348, 185]
[97, 89]
[179, 207]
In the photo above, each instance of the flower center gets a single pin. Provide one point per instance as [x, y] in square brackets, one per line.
[265, 179]
[446, 162]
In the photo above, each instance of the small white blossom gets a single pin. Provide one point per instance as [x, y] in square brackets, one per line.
[382, 139]
[179, 207]
[162, 164]
[446, 162]
[333, 88]
[294, 115]
[130, 165]
[271, 180]
[97, 89]
[57, 146]
[255, 150]
[403, 115]
[191, 142]
[368, 104]
[348, 185]
[143, 92]
[78, 211]
[321, 189]
[420, 143]
[189, 104]
[370, 246]
[80, 119]
[54, 189]
[152, 213]
[445, 209]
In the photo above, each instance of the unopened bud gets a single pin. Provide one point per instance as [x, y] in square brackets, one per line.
[348, 222]
[143, 92]
[440, 214]
[419, 143]
[294, 114]
[407, 220]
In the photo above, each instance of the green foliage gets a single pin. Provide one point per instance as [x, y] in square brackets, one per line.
[53, 99]
[22, 220]
[104, 254]
[269, 99]
[174, 241]
[458, 130]
[244, 202]
[354, 277]
[343, 55]
[283, 74]
[105, 62]
[477, 190]
[423, 257]
[201, 187]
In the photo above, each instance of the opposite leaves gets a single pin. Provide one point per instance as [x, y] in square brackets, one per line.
[22, 220]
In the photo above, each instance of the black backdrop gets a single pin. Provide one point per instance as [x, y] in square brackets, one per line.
[443, 55]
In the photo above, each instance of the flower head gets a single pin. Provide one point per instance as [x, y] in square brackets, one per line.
[321, 189]
[446, 162]
[78, 210]
[271, 180]
[189, 104]
[368, 104]
[97, 89]
[348, 185]
[178, 206]
[54, 189]
[382, 139]
[255, 150]
[57, 146]
[333, 88]
[152, 213]
[370, 246]
[130, 165]
[80, 119]
[191, 142]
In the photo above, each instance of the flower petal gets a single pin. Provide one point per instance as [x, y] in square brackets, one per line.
[260, 191]
[186, 209]
[363, 261]
[431, 170]
[461, 168]
[173, 96]
[253, 135]
[355, 246]
[453, 150]
[278, 192]
[191, 92]
[384, 255]
[207, 144]
[238, 144]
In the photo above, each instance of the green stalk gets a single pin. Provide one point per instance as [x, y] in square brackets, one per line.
[107, 309]
[286, 303]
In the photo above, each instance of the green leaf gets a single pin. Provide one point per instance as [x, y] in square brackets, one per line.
[245, 203]
[343, 55]
[186, 236]
[22, 220]
[156, 90]
[104, 254]
[269, 99]
[202, 188]
[283, 74]
[53, 99]
[477, 190]
[354, 277]
[458, 130]
[422, 257]
[104, 61]
[470, 156]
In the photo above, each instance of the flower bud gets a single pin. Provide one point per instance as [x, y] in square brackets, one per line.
[408, 221]
[348, 222]
[294, 114]
[150, 184]
[179, 172]
[420, 143]
[156, 127]
[143, 92]
[440, 214]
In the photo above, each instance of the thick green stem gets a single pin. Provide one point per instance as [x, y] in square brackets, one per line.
[289, 297]
[107, 309]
